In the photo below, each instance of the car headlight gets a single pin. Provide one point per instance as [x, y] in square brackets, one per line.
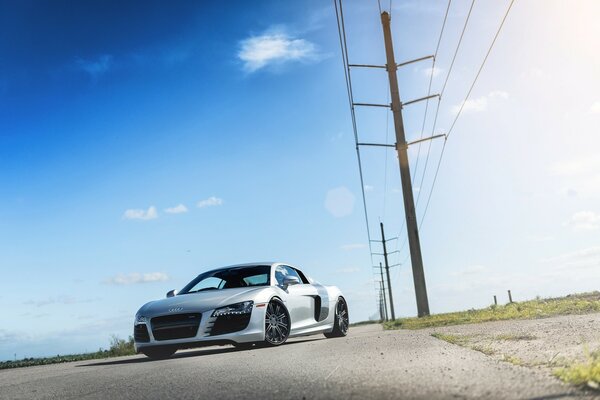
[140, 318]
[234, 309]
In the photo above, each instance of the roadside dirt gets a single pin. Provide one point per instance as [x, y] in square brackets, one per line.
[543, 344]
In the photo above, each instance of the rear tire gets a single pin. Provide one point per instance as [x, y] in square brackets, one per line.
[340, 324]
[158, 353]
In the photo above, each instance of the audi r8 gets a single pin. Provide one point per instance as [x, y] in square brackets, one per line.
[242, 305]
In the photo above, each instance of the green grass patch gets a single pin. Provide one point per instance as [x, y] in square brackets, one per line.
[582, 373]
[538, 308]
[118, 347]
[513, 360]
[515, 337]
[460, 340]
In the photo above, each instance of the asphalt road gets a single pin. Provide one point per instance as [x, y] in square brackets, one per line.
[368, 364]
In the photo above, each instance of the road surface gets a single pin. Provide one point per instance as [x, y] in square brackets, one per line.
[368, 364]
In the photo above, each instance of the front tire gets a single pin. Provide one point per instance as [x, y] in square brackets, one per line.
[277, 323]
[159, 353]
[341, 321]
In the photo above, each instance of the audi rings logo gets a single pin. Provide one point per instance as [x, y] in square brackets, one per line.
[176, 309]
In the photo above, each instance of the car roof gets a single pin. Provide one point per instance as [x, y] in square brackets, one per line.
[252, 264]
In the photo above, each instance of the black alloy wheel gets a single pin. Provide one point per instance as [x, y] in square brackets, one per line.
[277, 323]
[341, 322]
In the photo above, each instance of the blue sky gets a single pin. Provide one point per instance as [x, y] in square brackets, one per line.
[141, 144]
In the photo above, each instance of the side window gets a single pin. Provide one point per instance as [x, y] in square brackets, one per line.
[282, 271]
[303, 278]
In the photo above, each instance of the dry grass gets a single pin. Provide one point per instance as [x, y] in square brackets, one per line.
[538, 308]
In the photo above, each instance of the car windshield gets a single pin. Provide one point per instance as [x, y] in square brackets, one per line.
[235, 277]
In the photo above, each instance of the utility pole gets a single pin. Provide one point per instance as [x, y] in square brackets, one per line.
[387, 271]
[381, 314]
[407, 191]
[383, 292]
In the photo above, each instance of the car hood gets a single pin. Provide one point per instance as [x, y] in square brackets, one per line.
[200, 302]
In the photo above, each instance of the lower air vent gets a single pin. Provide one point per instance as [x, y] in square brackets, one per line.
[178, 326]
[140, 333]
[230, 323]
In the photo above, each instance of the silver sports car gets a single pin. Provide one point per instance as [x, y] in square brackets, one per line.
[242, 305]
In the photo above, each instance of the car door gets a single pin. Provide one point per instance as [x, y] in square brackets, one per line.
[300, 299]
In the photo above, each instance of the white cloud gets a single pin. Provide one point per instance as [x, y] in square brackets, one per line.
[595, 108]
[274, 48]
[136, 277]
[536, 73]
[481, 103]
[500, 94]
[584, 221]
[339, 202]
[95, 67]
[178, 209]
[369, 188]
[472, 105]
[429, 71]
[580, 176]
[62, 299]
[137, 213]
[210, 202]
[588, 258]
[353, 246]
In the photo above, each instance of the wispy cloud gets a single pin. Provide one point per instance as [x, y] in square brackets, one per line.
[136, 277]
[481, 103]
[580, 175]
[584, 221]
[339, 202]
[369, 188]
[137, 213]
[62, 299]
[274, 48]
[588, 258]
[210, 202]
[95, 67]
[353, 246]
[178, 209]
[431, 70]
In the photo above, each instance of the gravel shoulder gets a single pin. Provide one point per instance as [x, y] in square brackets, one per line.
[542, 344]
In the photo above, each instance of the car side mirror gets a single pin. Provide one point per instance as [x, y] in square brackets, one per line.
[172, 293]
[289, 281]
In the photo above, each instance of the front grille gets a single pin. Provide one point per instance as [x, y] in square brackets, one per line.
[230, 323]
[140, 333]
[178, 326]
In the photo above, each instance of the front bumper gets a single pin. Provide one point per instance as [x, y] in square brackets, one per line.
[209, 331]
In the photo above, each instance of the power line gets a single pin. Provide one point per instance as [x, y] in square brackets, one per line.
[344, 48]
[456, 117]
[461, 108]
[434, 59]
[481, 67]
[462, 34]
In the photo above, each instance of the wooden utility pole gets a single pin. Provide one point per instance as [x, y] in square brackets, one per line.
[383, 292]
[387, 272]
[407, 191]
